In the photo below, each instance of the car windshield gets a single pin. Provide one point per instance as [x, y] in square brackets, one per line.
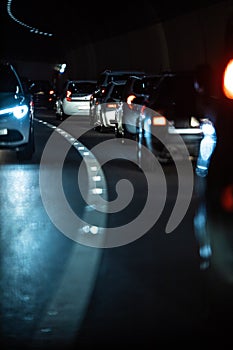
[82, 87]
[119, 77]
[117, 92]
[40, 85]
[8, 80]
[179, 89]
[146, 85]
[175, 92]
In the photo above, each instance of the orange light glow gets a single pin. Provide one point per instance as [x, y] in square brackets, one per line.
[228, 80]
[112, 105]
[161, 121]
[130, 99]
[68, 95]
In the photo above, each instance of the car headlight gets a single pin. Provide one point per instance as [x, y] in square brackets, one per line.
[18, 111]
[208, 128]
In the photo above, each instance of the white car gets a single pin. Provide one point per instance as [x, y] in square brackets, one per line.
[75, 98]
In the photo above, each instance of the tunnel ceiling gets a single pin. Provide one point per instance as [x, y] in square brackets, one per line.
[45, 30]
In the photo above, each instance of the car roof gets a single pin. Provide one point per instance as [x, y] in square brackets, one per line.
[117, 72]
[120, 75]
[81, 81]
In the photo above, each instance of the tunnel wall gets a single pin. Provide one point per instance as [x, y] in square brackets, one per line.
[176, 44]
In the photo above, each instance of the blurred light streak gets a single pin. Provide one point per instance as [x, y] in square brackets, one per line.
[32, 29]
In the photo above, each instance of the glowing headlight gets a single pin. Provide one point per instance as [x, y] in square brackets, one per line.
[208, 129]
[18, 111]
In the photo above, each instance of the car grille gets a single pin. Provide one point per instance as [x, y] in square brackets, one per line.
[12, 136]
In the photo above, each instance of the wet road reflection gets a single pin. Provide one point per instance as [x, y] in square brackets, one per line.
[46, 278]
[57, 293]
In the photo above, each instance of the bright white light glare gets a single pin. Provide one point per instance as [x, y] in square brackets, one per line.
[194, 122]
[208, 129]
[62, 68]
[205, 251]
[94, 230]
[18, 111]
[32, 29]
[90, 229]
[86, 228]
[207, 147]
[96, 178]
[97, 191]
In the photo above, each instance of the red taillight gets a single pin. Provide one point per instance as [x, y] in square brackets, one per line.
[228, 80]
[68, 95]
[111, 105]
[159, 121]
[227, 198]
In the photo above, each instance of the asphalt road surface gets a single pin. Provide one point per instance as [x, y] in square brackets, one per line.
[87, 259]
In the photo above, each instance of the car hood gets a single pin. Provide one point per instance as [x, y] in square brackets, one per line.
[8, 99]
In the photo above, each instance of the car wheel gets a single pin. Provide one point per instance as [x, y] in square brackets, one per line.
[100, 127]
[26, 152]
[63, 116]
[60, 115]
[118, 133]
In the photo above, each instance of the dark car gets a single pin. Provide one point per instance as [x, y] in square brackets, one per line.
[171, 122]
[136, 88]
[44, 95]
[219, 177]
[213, 221]
[16, 113]
[108, 76]
[103, 110]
